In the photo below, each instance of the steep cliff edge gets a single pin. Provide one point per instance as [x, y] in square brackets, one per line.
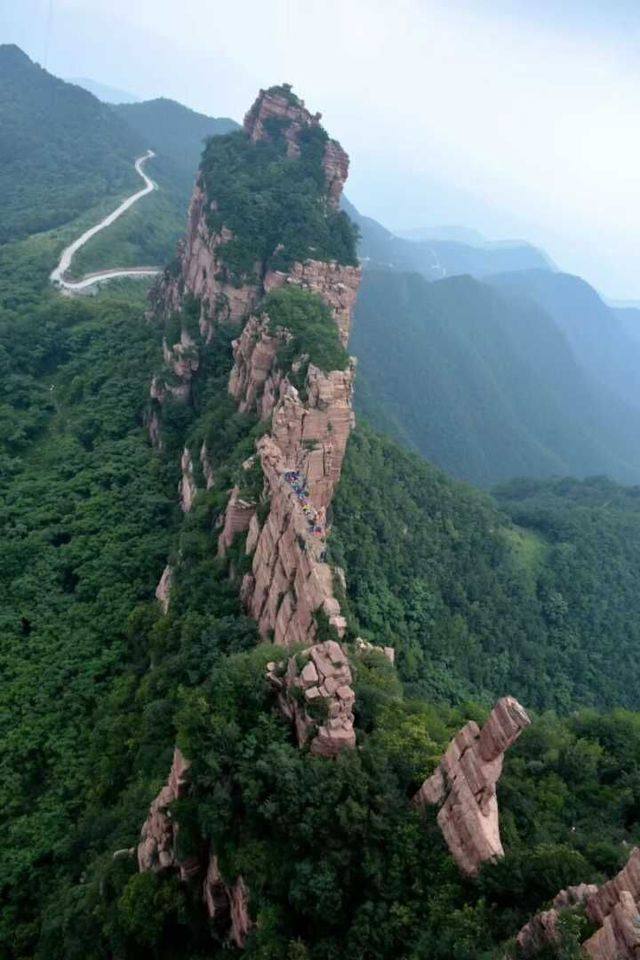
[286, 285]
[287, 368]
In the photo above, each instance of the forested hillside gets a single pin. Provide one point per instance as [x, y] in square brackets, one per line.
[484, 385]
[174, 131]
[601, 341]
[128, 437]
[61, 150]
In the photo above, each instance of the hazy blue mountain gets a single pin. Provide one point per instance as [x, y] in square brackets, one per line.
[603, 339]
[484, 385]
[453, 232]
[103, 91]
[629, 317]
[436, 259]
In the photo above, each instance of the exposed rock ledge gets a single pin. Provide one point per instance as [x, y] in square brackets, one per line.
[315, 692]
[613, 907]
[464, 786]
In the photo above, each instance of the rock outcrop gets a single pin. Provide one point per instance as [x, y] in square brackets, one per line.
[315, 692]
[619, 936]
[292, 118]
[157, 847]
[237, 519]
[227, 905]
[543, 930]
[612, 907]
[336, 283]
[464, 786]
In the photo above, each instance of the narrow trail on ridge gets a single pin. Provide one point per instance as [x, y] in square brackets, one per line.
[57, 276]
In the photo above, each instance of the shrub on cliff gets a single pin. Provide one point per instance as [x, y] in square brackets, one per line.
[274, 205]
[314, 333]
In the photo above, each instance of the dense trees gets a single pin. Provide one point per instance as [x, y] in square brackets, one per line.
[61, 149]
[485, 386]
[544, 607]
[274, 205]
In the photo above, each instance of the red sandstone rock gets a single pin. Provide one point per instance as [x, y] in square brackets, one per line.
[293, 119]
[464, 786]
[157, 847]
[237, 519]
[207, 467]
[602, 903]
[335, 283]
[241, 924]
[619, 936]
[543, 930]
[214, 891]
[317, 695]
[227, 903]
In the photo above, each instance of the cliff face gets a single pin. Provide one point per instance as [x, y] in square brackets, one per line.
[302, 455]
[464, 786]
[307, 416]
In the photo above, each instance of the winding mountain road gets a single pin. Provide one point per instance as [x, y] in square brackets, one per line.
[57, 276]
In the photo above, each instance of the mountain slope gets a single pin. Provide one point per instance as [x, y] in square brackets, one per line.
[61, 150]
[308, 858]
[597, 334]
[173, 130]
[485, 387]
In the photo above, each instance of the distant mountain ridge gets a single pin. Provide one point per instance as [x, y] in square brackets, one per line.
[438, 258]
[173, 130]
[103, 91]
[484, 384]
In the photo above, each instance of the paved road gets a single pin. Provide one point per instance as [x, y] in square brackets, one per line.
[57, 275]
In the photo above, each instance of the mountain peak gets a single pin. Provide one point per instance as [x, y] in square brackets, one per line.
[11, 53]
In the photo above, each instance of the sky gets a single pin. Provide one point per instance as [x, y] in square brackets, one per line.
[518, 118]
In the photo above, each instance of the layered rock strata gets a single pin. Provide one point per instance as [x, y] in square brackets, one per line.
[336, 283]
[315, 692]
[301, 460]
[464, 786]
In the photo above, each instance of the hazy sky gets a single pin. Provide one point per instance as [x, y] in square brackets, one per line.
[516, 117]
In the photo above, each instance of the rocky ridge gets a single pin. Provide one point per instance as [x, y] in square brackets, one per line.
[464, 786]
[300, 457]
[613, 907]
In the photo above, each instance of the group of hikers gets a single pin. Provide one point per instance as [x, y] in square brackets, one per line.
[298, 483]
